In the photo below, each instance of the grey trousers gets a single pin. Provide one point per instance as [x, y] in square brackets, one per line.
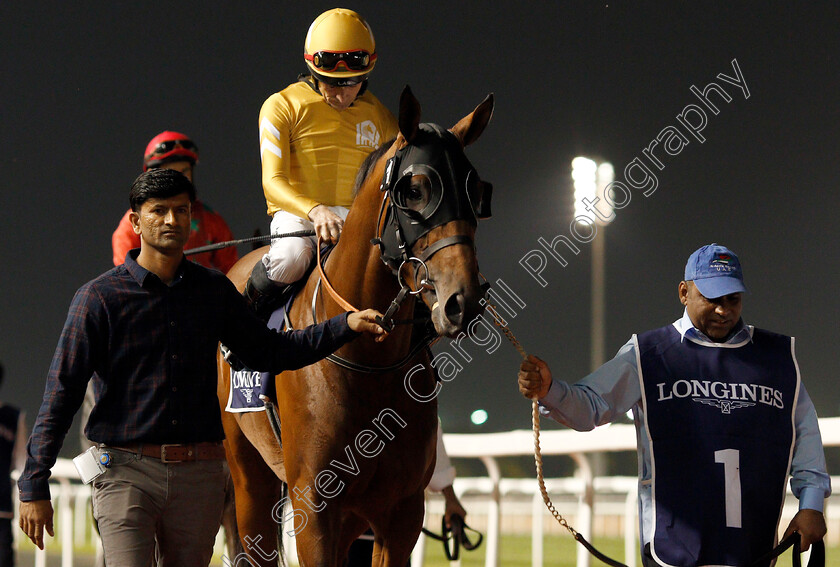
[140, 498]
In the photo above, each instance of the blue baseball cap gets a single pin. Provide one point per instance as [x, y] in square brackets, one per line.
[716, 271]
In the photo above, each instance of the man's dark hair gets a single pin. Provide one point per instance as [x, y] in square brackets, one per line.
[158, 184]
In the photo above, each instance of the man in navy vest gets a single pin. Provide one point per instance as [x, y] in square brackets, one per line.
[722, 419]
[13, 436]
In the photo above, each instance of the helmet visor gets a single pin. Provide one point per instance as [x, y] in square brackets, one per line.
[169, 145]
[331, 60]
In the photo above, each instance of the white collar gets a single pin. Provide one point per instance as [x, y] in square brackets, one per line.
[687, 330]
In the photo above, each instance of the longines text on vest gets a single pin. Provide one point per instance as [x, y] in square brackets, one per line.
[722, 391]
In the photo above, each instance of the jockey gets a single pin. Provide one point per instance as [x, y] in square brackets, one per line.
[173, 150]
[314, 135]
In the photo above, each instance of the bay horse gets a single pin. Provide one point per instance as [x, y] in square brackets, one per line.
[357, 449]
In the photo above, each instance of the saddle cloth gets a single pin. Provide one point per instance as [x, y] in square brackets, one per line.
[246, 385]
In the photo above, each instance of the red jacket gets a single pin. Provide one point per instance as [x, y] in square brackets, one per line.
[208, 227]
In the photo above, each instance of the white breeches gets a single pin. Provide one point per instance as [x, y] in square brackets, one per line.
[288, 258]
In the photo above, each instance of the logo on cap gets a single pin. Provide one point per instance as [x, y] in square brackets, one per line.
[715, 270]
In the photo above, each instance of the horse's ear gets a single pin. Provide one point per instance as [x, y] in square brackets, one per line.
[470, 127]
[409, 114]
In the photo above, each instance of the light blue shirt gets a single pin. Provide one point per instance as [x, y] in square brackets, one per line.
[614, 389]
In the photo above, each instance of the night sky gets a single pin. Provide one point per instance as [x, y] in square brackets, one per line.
[86, 85]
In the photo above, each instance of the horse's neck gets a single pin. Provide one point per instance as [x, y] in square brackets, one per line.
[357, 274]
[360, 277]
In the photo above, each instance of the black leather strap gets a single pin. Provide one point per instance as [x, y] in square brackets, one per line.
[794, 540]
[457, 534]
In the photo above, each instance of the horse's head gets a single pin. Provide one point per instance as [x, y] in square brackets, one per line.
[433, 201]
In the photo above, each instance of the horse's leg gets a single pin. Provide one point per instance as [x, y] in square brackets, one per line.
[320, 542]
[234, 546]
[257, 491]
[325, 540]
[351, 528]
[396, 533]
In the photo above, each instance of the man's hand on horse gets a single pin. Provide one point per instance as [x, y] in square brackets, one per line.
[34, 516]
[328, 225]
[811, 527]
[534, 378]
[365, 322]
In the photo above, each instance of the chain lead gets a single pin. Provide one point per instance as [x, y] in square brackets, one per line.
[535, 424]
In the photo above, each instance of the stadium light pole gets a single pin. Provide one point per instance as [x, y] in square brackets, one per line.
[590, 180]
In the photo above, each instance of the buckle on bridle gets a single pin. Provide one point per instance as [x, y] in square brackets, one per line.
[425, 282]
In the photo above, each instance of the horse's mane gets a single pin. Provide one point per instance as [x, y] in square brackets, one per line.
[367, 165]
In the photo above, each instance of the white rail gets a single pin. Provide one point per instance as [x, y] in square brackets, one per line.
[578, 446]
[71, 499]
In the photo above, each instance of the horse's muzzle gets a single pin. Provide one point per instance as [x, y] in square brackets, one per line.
[458, 311]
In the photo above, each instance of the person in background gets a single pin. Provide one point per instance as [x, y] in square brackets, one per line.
[722, 413]
[13, 436]
[173, 150]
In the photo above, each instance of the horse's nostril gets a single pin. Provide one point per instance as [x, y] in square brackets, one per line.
[454, 308]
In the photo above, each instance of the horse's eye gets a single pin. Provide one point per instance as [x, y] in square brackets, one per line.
[420, 186]
[417, 193]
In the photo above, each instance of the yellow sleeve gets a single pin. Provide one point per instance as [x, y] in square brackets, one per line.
[275, 127]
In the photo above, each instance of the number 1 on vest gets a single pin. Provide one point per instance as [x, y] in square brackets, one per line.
[730, 458]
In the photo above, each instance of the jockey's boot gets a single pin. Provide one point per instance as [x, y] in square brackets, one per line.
[264, 295]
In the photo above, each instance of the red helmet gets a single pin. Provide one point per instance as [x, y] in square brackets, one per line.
[167, 147]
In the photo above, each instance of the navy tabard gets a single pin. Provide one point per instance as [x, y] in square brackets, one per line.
[720, 422]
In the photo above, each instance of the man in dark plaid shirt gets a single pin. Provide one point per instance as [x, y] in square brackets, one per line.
[147, 334]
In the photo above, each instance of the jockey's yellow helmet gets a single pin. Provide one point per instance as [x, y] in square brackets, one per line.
[339, 48]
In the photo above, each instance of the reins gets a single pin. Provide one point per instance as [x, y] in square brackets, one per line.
[457, 534]
[794, 540]
[386, 321]
[355, 366]
[328, 286]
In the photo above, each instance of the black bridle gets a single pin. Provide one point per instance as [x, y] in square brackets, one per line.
[426, 184]
[449, 190]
